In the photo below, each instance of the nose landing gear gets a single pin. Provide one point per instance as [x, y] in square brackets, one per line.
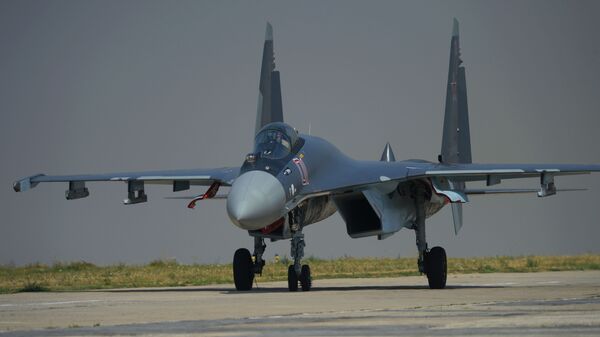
[298, 272]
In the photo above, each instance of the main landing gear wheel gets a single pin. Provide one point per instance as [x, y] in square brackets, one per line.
[436, 268]
[292, 279]
[243, 274]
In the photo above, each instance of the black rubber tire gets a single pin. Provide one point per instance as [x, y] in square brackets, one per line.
[305, 278]
[292, 279]
[436, 268]
[243, 275]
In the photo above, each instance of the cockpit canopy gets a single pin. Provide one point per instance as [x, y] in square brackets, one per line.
[275, 140]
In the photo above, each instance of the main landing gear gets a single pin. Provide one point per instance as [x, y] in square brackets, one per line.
[432, 262]
[243, 276]
[245, 266]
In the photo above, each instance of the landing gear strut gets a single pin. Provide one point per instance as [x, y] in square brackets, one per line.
[298, 272]
[244, 268]
[259, 250]
[431, 262]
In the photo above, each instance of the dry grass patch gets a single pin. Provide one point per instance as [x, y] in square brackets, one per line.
[168, 273]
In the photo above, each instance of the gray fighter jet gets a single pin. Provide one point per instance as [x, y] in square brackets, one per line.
[292, 180]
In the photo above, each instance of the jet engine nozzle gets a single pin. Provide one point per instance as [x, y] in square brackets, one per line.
[256, 199]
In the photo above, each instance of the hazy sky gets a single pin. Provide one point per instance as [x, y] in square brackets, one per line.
[101, 86]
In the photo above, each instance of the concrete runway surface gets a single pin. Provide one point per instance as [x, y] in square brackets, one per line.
[523, 304]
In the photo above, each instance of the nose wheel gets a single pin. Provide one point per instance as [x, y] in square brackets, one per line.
[304, 279]
[292, 279]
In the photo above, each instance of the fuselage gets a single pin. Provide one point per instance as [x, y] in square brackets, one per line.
[274, 177]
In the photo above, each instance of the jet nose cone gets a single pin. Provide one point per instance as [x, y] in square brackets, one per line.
[256, 200]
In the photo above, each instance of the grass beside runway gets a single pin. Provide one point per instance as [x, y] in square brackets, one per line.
[85, 276]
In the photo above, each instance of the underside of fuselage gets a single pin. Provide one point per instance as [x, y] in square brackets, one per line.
[381, 213]
[361, 217]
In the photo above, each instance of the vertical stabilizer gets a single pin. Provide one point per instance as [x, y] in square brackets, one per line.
[456, 141]
[270, 107]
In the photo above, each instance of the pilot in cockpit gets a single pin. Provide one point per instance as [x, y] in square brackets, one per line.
[275, 140]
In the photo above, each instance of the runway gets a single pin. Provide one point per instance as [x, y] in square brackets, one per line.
[523, 304]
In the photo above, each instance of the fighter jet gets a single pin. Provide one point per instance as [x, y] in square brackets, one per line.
[292, 180]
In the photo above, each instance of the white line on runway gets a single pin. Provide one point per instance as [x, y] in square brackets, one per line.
[548, 282]
[47, 303]
[501, 284]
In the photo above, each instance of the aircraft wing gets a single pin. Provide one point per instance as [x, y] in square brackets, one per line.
[381, 178]
[493, 174]
[180, 179]
[362, 175]
[478, 172]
